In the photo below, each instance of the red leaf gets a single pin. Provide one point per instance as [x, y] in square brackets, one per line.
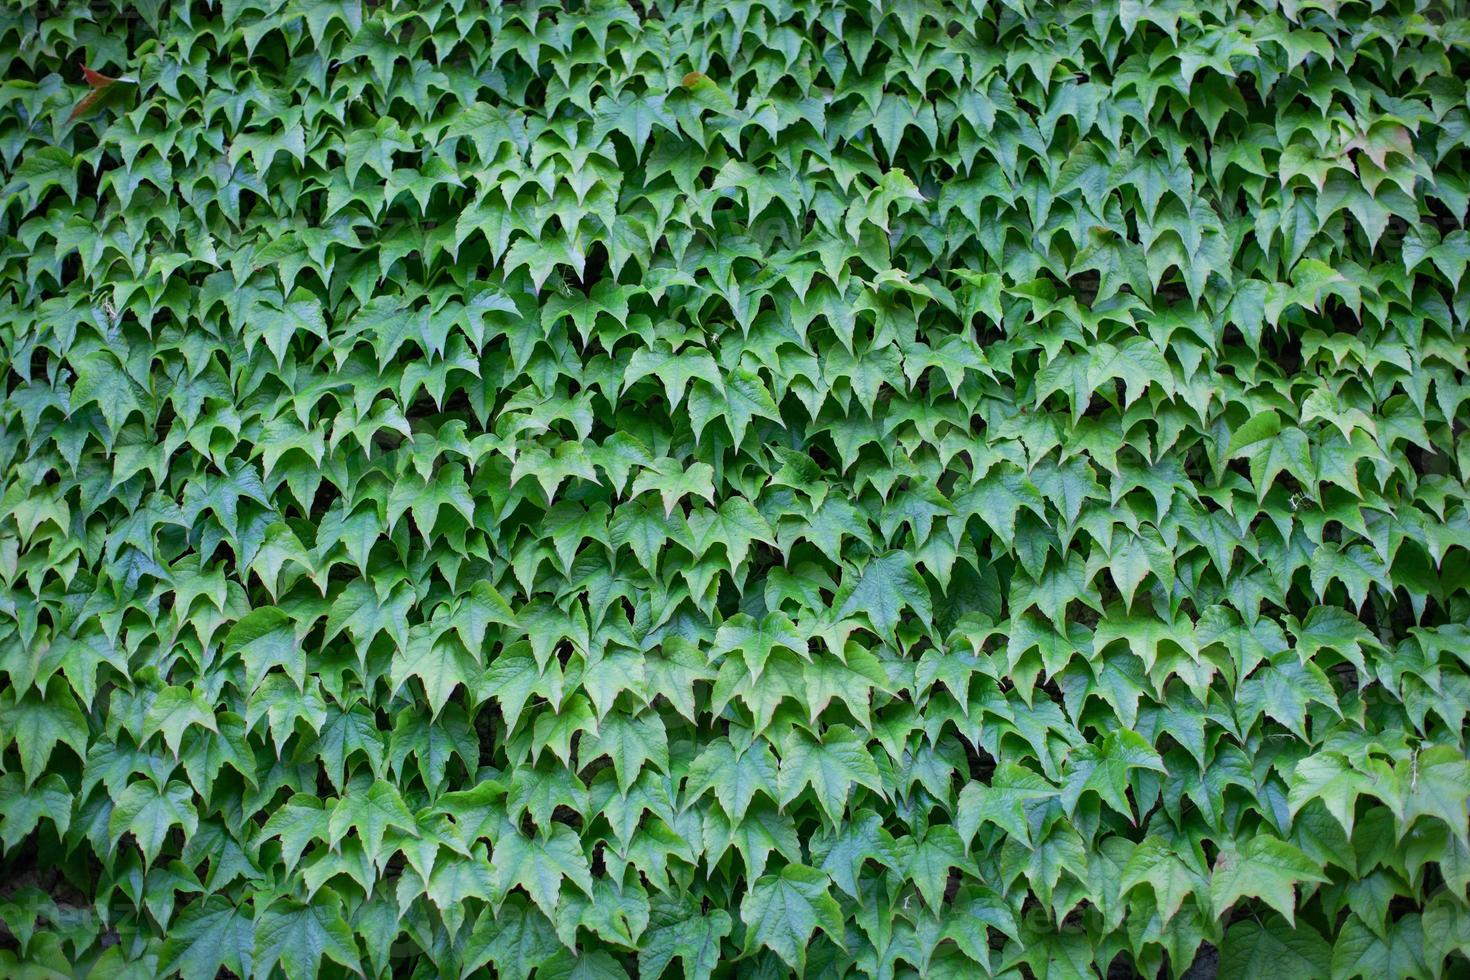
[99, 84]
[95, 78]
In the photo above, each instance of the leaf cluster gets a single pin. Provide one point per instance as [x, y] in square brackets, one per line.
[689, 488]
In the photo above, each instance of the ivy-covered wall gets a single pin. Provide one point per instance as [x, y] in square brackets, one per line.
[734, 488]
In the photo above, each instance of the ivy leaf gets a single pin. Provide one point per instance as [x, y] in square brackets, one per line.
[831, 766]
[1156, 864]
[674, 482]
[734, 776]
[440, 661]
[815, 465]
[630, 742]
[517, 939]
[1360, 951]
[1329, 778]
[1274, 946]
[755, 640]
[21, 808]
[174, 710]
[148, 812]
[783, 910]
[37, 723]
[264, 639]
[677, 930]
[363, 614]
[1437, 785]
[539, 864]
[209, 935]
[371, 814]
[1002, 802]
[887, 585]
[1265, 868]
[745, 397]
[296, 936]
[300, 314]
[1103, 769]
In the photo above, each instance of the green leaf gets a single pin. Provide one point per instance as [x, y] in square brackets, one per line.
[1264, 868]
[148, 812]
[441, 663]
[296, 936]
[265, 639]
[174, 710]
[209, 935]
[370, 814]
[1361, 952]
[887, 585]
[783, 910]
[539, 864]
[631, 743]
[22, 807]
[1104, 769]
[755, 640]
[1275, 947]
[1437, 786]
[734, 776]
[677, 930]
[36, 723]
[1328, 777]
[831, 766]
[1002, 802]
[984, 482]
[516, 938]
